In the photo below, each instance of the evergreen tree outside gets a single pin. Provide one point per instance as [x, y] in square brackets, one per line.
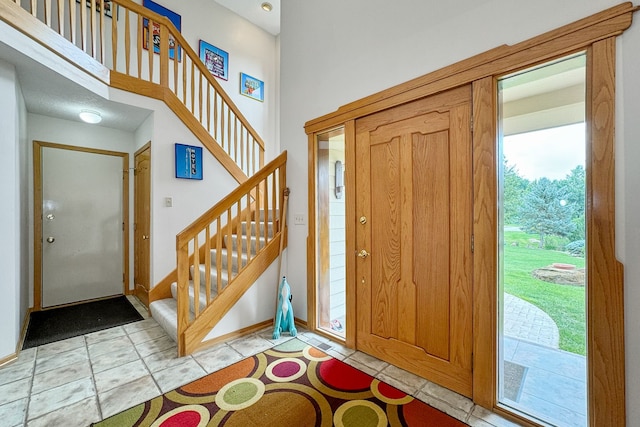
[545, 211]
[515, 188]
[574, 185]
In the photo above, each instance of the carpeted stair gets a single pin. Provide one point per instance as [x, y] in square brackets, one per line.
[165, 311]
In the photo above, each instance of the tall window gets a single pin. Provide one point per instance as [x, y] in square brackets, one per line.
[542, 269]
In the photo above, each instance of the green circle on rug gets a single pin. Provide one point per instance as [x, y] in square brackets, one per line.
[240, 394]
[360, 413]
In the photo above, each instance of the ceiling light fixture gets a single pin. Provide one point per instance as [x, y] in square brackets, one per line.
[90, 116]
[266, 6]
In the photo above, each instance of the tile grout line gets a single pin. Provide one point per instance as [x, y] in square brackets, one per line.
[93, 380]
[33, 375]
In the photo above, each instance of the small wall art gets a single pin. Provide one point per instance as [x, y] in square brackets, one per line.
[107, 6]
[216, 60]
[175, 19]
[188, 161]
[251, 87]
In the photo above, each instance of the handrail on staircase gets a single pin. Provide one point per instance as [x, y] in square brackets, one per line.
[225, 240]
[115, 34]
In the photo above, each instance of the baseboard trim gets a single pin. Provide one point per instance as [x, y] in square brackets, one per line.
[233, 335]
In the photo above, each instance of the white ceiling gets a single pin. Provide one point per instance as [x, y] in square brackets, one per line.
[252, 11]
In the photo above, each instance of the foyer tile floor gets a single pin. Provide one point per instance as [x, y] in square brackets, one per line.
[85, 379]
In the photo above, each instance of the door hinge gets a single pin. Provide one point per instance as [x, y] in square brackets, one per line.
[471, 121]
[472, 242]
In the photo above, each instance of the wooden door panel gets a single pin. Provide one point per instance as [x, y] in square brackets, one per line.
[142, 196]
[413, 170]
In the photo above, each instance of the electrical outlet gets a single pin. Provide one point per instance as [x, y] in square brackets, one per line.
[298, 219]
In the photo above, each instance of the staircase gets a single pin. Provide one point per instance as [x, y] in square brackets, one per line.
[237, 250]
[225, 250]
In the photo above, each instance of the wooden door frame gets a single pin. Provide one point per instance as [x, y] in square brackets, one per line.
[595, 35]
[135, 206]
[37, 212]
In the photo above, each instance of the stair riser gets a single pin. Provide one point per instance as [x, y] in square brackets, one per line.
[254, 227]
[225, 260]
[244, 242]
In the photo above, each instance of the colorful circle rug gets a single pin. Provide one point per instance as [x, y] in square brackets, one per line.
[293, 384]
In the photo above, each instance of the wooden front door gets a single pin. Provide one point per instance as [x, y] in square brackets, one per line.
[141, 233]
[414, 212]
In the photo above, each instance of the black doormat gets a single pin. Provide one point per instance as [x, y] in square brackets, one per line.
[57, 324]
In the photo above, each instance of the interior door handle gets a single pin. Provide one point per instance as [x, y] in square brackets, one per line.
[145, 237]
[363, 254]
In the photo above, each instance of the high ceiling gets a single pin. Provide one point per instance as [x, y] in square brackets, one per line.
[252, 11]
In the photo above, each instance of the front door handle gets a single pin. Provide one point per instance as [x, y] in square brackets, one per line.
[363, 254]
[51, 239]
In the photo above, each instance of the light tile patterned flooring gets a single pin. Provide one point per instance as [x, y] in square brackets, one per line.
[85, 379]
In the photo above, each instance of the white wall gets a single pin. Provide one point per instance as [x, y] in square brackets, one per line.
[13, 277]
[334, 52]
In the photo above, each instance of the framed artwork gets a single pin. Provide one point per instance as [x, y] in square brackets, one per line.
[155, 36]
[216, 60]
[107, 6]
[251, 87]
[188, 161]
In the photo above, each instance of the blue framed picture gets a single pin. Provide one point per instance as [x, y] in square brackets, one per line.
[215, 60]
[251, 87]
[188, 162]
[175, 19]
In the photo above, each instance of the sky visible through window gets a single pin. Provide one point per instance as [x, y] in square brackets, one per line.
[550, 153]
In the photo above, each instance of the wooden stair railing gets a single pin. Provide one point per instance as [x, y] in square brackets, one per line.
[257, 202]
[117, 40]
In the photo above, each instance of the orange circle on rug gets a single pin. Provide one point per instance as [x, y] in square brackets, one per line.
[341, 376]
[285, 408]
[214, 382]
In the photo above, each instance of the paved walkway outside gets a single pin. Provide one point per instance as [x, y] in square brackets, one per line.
[554, 384]
[527, 322]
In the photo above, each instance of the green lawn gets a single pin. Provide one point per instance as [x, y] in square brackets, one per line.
[564, 304]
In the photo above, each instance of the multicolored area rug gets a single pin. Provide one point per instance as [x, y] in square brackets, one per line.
[293, 384]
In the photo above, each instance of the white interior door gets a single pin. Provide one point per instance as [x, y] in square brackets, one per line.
[82, 221]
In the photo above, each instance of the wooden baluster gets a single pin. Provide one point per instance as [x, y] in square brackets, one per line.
[151, 49]
[229, 129]
[261, 158]
[34, 7]
[193, 88]
[175, 74]
[242, 148]
[83, 26]
[200, 96]
[47, 13]
[208, 107]
[72, 20]
[183, 295]
[248, 219]
[207, 263]
[235, 138]
[164, 55]
[141, 42]
[60, 17]
[196, 276]
[92, 30]
[240, 232]
[266, 209]
[260, 212]
[215, 115]
[274, 203]
[114, 36]
[218, 256]
[222, 104]
[103, 46]
[230, 247]
[184, 82]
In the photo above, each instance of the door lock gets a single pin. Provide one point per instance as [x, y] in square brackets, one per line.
[51, 239]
